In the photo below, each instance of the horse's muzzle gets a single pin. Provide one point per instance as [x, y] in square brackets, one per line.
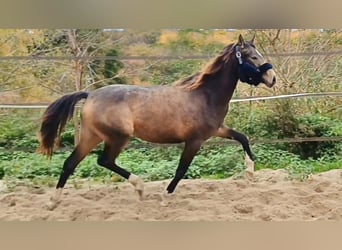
[269, 78]
[255, 75]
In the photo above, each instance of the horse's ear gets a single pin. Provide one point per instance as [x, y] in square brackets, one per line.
[241, 41]
[252, 40]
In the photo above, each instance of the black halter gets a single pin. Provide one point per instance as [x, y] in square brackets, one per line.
[248, 72]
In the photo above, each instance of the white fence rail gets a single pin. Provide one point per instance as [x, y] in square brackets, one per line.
[246, 99]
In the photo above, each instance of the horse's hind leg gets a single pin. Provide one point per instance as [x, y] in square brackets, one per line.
[229, 133]
[87, 142]
[111, 150]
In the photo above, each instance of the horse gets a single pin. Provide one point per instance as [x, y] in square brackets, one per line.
[189, 111]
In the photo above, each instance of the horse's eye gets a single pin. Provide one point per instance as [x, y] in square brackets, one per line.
[254, 58]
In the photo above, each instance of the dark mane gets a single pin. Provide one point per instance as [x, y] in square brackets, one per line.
[188, 80]
[196, 80]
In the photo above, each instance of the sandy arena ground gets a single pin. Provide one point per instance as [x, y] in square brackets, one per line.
[267, 196]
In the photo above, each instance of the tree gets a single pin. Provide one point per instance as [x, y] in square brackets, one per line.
[78, 46]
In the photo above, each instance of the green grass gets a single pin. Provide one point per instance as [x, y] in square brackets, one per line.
[158, 163]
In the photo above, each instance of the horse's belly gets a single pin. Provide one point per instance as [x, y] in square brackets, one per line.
[172, 131]
[159, 134]
[158, 139]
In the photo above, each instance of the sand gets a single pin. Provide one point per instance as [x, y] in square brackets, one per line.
[269, 195]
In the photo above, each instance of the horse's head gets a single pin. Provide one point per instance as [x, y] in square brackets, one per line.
[252, 66]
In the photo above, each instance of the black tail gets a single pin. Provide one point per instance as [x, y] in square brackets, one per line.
[54, 119]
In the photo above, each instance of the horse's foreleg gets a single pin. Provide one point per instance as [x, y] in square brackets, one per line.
[189, 152]
[229, 133]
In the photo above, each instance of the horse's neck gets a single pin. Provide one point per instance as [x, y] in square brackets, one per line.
[221, 87]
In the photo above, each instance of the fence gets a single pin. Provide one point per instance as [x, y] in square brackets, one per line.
[260, 98]
[127, 58]
[257, 98]
[198, 57]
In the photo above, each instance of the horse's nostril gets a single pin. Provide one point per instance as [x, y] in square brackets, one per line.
[274, 80]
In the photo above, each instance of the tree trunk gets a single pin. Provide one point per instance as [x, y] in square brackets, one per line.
[79, 68]
[78, 87]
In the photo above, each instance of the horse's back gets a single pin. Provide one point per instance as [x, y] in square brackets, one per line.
[115, 93]
[158, 114]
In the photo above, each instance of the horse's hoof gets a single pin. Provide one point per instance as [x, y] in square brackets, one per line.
[249, 163]
[249, 175]
[165, 198]
[51, 205]
[138, 184]
[53, 202]
[141, 194]
[164, 203]
[139, 188]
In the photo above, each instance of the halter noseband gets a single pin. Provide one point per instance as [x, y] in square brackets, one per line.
[248, 72]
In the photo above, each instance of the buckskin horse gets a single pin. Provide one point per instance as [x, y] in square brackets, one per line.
[191, 111]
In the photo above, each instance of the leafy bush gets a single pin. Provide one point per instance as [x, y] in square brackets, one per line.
[213, 161]
[285, 118]
[18, 129]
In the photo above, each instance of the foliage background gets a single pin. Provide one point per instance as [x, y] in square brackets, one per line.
[134, 57]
